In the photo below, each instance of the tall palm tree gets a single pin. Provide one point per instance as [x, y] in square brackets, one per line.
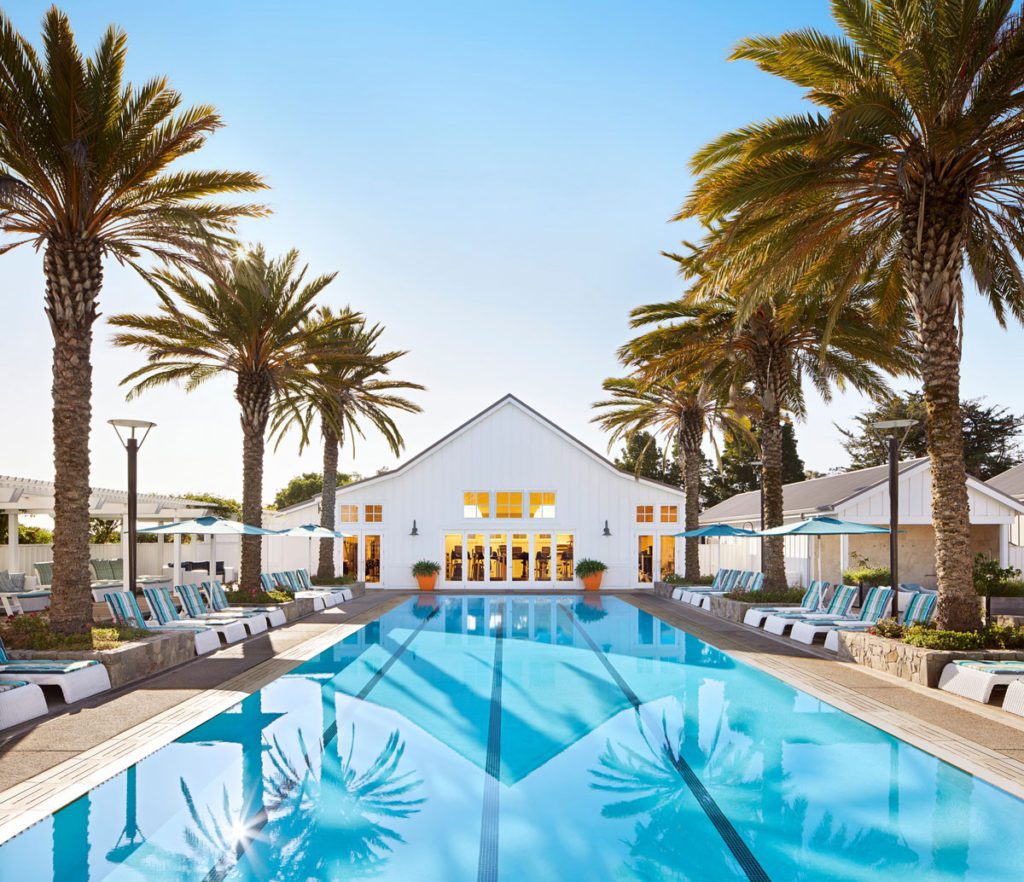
[360, 391]
[681, 411]
[247, 318]
[764, 358]
[84, 174]
[913, 163]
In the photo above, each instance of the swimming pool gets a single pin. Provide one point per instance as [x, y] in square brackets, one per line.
[528, 738]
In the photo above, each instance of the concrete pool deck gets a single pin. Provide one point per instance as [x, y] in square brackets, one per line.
[46, 764]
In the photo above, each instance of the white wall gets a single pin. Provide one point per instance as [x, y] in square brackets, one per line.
[508, 449]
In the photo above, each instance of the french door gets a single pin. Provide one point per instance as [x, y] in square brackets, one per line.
[509, 559]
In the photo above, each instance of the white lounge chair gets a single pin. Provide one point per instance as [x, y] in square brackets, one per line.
[976, 678]
[162, 606]
[1013, 701]
[681, 592]
[842, 599]
[726, 583]
[322, 598]
[20, 701]
[808, 603]
[751, 586]
[876, 604]
[918, 611]
[274, 616]
[126, 612]
[75, 679]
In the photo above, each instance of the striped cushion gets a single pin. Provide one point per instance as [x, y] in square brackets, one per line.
[743, 579]
[304, 579]
[920, 609]
[161, 605]
[193, 600]
[8, 685]
[102, 569]
[811, 596]
[875, 604]
[215, 591]
[124, 609]
[841, 601]
[730, 580]
[757, 583]
[292, 579]
[45, 572]
[992, 667]
[267, 581]
[44, 666]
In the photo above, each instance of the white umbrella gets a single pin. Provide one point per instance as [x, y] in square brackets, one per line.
[206, 525]
[311, 532]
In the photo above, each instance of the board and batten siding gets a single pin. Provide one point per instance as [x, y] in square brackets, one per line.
[508, 447]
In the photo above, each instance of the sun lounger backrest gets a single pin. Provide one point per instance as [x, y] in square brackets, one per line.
[757, 582]
[730, 580]
[875, 604]
[281, 583]
[292, 579]
[192, 600]
[920, 609]
[3, 653]
[842, 600]
[45, 572]
[267, 581]
[161, 605]
[304, 580]
[715, 582]
[743, 579]
[811, 595]
[215, 591]
[124, 609]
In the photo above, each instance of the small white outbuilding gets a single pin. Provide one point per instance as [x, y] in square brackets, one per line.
[508, 499]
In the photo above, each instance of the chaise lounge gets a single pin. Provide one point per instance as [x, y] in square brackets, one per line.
[125, 611]
[75, 679]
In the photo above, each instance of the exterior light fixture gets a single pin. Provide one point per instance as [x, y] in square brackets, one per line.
[891, 431]
[126, 433]
[415, 531]
[606, 531]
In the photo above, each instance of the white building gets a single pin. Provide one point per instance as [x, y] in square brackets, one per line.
[508, 499]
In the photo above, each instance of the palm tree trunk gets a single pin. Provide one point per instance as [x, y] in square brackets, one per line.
[774, 564]
[691, 433]
[254, 395]
[74, 276]
[932, 251]
[328, 503]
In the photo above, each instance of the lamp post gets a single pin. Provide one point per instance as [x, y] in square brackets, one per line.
[759, 467]
[890, 429]
[131, 443]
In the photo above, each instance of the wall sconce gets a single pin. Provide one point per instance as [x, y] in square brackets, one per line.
[606, 531]
[415, 531]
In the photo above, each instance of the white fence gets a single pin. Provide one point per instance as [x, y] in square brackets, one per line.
[738, 553]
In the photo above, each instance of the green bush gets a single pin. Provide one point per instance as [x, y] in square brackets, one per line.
[257, 598]
[990, 578]
[766, 598]
[587, 567]
[888, 628]
[676, 579]
[870, 576]
[32, 631]
[426, 568]
[337, 580]
[1011, 588]
[993, 637]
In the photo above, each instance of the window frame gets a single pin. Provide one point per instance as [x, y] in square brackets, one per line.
[341, 512]
[477, 494]
[661, 512]
[543, 504]
[643, 520]
[368, 505]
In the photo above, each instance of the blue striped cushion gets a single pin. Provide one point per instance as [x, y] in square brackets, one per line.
[124, 609]
[757, 583]
[841, 601]
[193, 600]
[267, 581]
[304, 579]
[159, 600]
[875, 603]
[215, 591]
[44, 666]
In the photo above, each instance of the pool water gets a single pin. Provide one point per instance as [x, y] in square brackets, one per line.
[528, 738]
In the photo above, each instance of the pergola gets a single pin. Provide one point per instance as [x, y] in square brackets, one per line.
[26, 496]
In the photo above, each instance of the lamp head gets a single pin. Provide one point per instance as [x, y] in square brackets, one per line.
[126, 429]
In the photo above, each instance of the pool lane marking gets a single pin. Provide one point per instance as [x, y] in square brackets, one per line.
[487, 865]
[744, 856]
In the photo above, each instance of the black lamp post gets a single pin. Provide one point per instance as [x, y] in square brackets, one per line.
[891, 430]
[132, 444]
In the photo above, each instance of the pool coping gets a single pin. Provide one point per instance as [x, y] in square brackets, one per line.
[39, 796]
[973, 757]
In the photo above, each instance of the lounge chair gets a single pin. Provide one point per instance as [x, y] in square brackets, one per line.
[273, 615]
[680, 592]
[918, 611]
[976, 678]
[1013, 701]
[193, 603]
[752, 586]
[306, 584]
[727, 584]
[20, 701]
[875, 605]
[839, 606]
[808, 603]
[75, 679]
[126, 612]
[162, 606]
[12, 587]
[278, 582]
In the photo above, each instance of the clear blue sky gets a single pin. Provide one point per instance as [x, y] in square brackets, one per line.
[491, 181]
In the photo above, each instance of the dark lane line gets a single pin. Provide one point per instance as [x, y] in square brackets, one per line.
[744, 856]
[487, 866]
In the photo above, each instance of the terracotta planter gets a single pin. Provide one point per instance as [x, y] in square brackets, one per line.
[592, 583]
[427, 583]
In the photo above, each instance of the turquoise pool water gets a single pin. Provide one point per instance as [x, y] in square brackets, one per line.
[528, 738]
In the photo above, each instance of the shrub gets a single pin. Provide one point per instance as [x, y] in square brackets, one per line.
[992, 579]
[32, 631]
[870, 576]
[993, 637]
[764, 598]
[676, 579]
[347, 579]
[258, 598]
[587, 567]
[426, 568]
[888, 628]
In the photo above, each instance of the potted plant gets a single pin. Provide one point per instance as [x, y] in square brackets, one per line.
[426, 572]
[590, 571]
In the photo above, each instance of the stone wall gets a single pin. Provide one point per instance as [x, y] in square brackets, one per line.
[923, 666]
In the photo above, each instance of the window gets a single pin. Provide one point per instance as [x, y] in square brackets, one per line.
[520, 557]
[669, 514]
[349, 514]
[645, 514]
[508, 505]
[499, 557]
[374, 514]
[474, 557]
[564, 550]
[476, 505]
[542, 557]
[542, 505]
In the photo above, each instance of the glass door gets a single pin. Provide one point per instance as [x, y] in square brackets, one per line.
[667, 564]
[520, 557]
[453, 562]
[499, 557]
[645, 559]
[542, 571]
[475, 571]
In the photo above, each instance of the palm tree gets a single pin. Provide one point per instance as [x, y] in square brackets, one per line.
[682, 411]
[249, 318]
[913, 163]
[360, 391]
[84, 174]
[763, 358]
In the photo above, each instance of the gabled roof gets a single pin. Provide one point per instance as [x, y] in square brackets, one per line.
[1010, 482]
[807, 497]
[483, 414]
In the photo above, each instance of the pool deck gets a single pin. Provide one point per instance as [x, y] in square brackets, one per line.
[47, 763]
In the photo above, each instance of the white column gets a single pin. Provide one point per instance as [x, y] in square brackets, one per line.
[177, 558]
[124, 554]
[1004, 545]
[844, 553]
[213, 557]
[12, 541]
